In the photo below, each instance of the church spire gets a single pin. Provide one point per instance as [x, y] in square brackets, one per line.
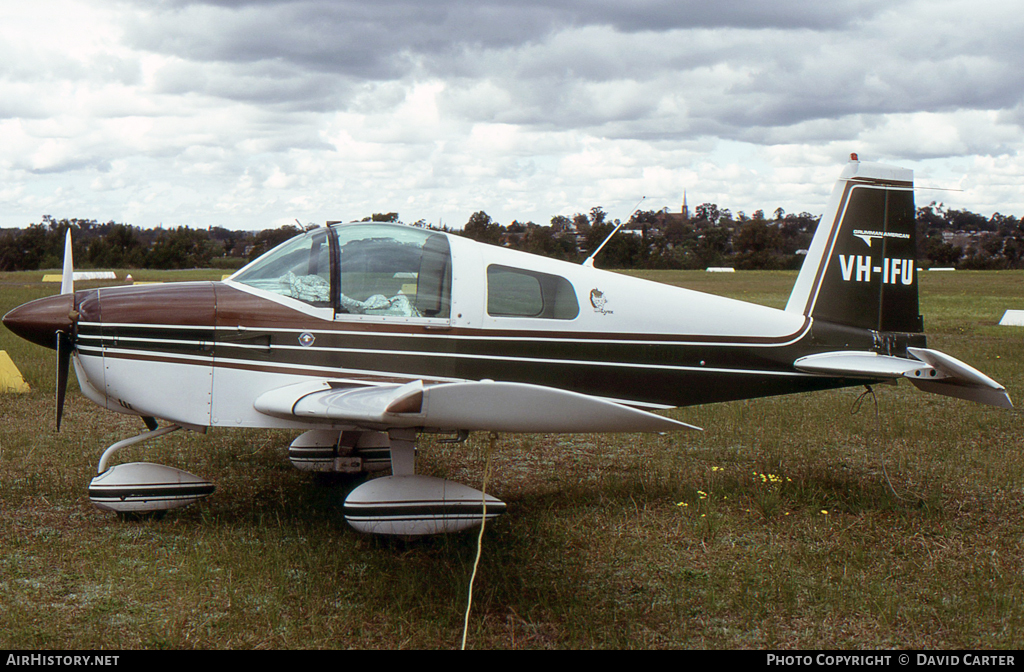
[686, 210]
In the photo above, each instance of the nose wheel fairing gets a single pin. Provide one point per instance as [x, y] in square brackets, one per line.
[144, 487]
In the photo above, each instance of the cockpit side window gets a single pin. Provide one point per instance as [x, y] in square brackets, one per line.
[394, 270]
[299, 268]
[516, 292]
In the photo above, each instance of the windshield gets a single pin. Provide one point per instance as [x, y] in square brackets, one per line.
[383, 270]
[299, 268]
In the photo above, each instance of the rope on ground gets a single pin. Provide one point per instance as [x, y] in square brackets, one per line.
[480, 537]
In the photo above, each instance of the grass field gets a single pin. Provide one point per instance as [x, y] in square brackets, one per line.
[790, 522]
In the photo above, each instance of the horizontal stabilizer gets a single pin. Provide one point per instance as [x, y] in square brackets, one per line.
[960, 381]
[931, 371]
[864, 365]
[472, 406]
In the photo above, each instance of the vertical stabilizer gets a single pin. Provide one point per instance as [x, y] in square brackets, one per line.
[861, 268]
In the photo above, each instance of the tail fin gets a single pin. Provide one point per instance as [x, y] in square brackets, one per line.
[861, 268]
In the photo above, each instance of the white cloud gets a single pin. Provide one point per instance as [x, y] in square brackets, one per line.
[250, 114]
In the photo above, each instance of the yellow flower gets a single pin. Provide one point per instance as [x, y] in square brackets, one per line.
[824, 512]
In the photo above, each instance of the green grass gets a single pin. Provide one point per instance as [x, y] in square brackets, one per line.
[788, 523]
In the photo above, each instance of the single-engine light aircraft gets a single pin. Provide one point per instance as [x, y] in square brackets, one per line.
[367, 334]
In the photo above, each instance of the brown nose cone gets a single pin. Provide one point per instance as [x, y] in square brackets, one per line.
[39, 321]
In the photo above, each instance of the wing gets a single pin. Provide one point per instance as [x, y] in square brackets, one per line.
[473, 406]
[931, 371]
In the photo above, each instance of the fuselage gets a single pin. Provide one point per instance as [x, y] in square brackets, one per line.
[199, 353]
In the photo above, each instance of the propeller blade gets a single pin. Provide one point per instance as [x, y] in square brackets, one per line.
[64, 347]
[67, 280]
[64, 343]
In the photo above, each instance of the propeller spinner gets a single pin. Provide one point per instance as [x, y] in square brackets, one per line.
[50, 322]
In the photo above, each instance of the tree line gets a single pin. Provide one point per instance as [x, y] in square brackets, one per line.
[713, 236]
[709, 236]
[116, 245]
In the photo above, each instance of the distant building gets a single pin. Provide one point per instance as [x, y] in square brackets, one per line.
[962, 239]
[666, 218]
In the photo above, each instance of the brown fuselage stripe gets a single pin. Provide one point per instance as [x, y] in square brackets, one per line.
[457, 356]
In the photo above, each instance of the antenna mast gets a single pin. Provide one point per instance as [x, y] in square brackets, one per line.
[589, 261]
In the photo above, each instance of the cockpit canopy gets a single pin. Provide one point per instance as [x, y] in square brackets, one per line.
[364, 269]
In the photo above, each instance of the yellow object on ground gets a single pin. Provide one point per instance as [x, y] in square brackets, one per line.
[11, 379]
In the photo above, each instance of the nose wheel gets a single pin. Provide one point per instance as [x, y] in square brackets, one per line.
[144, 487]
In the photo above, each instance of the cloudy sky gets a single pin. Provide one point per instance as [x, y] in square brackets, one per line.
[250, 114]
